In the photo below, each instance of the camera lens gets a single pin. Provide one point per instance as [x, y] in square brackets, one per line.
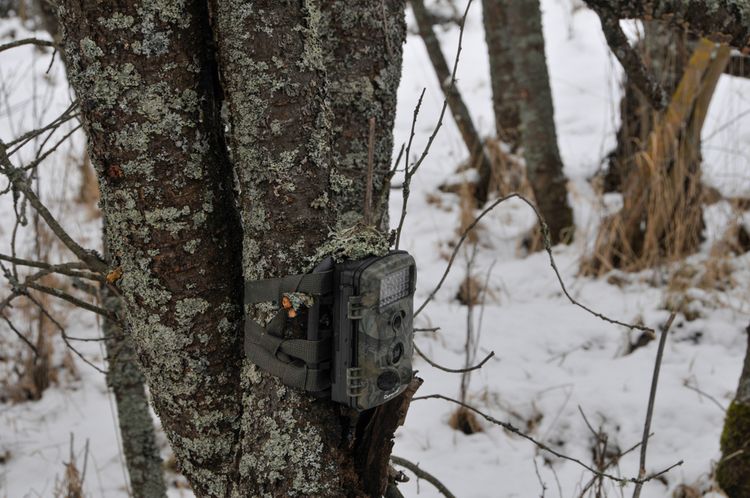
[387, 380]
[396, 353]
[397, 320]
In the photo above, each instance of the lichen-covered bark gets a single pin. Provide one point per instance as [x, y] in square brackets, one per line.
[142, 71]
[301, 80]
[136, 426]
[544, 167]
[727, 21]
[733, 472]
[504, 90]
[362, 56]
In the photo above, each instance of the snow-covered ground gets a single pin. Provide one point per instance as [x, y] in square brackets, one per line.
[552, 360]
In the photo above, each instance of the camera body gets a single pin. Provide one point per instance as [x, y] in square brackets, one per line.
[373, 310]
[343, 331]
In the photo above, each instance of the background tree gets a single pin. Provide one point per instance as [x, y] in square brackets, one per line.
[544, 167]
[504, 89]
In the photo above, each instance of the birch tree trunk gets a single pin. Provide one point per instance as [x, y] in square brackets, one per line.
[544, 167]
[298, 82]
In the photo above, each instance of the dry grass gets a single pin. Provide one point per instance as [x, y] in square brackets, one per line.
[71, 484]
[661, 219]
[465, 421]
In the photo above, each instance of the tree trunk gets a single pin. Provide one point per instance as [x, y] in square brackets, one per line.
[664, 53]
[726, 21]
[139, 446]
[298, 82]
[137, 432]
[504, 91]
[477, 155]
[733, 472]
[544, 167]
[145, 78]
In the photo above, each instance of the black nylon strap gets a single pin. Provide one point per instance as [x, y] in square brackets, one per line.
[263, 345]
[299, 376]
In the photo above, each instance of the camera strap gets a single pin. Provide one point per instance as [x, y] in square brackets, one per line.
[297, 362]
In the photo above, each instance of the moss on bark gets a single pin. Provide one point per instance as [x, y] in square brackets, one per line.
[733, 472]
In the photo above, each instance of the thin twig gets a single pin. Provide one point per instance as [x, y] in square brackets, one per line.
[651, 401]
[26, 41]
[411, 171]
[454, 370]
[64, 335]
[17, 177]
[73, 300]
[511, 428]
[422, 474]
[547, 248]
[370, 172]
[705, 395]
[19, 334]
[408, 173]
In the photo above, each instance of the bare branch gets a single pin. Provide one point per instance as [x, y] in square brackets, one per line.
[19, 334]
[511, 428]
[26, 41]
[73, 300]
[454, 370]
[651, 401]
[547, 247]
[422, 474]
[409, 172]
[725, 21]
[18, 179]
[632, 63]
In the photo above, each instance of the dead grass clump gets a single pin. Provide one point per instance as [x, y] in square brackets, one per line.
[465, 421]
[71, 484]
[661, 219]
[469, 291]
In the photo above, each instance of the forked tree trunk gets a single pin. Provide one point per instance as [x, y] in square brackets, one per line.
[664, 53]
[544, 166]
[151, 79]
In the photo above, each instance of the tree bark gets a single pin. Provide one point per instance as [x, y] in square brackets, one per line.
[504, 91]
[544, 167]
[137, 432]
[298, 83]
[139, 446]
[477, 155]
[664, 53]
[144, 76]
[300, 176]
[733, 471]
[727, 21]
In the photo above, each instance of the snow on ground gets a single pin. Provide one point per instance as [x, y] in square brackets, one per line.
[552, 360]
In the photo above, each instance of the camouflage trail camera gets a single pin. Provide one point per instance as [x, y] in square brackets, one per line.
[358, 329]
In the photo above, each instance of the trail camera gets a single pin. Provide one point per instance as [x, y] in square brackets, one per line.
[345, 330]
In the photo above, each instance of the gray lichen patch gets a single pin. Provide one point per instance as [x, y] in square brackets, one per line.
[352, 243]
[117, 20]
